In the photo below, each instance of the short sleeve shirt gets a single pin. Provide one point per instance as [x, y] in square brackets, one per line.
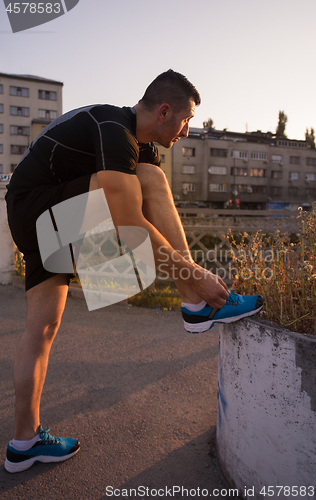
[85, 141]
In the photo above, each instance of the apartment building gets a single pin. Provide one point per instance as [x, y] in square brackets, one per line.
[27, 105]
[252, 170]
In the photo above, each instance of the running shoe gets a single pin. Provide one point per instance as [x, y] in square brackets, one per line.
[236, 307]
[47, 449]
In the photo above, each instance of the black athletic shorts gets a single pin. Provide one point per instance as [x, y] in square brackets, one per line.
[24, 206]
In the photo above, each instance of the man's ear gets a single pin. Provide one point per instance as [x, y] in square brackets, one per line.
[164, 112]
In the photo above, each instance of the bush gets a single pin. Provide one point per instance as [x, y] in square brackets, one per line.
[283, 272]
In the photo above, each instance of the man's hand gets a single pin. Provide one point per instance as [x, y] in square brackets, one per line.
[210, 287]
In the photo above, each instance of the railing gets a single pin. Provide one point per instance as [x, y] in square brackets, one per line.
[211, 212]
[214, 223]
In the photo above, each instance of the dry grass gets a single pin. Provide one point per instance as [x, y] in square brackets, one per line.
[284, 273]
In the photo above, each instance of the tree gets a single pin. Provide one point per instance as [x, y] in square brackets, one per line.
[208, 124]
[281, 125]
[310, 138]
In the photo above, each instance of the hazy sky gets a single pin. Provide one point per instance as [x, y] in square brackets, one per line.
[248, 58]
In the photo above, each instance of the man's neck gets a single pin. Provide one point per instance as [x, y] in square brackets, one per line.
[145, 124]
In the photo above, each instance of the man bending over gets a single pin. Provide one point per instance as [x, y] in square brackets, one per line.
[111, 148]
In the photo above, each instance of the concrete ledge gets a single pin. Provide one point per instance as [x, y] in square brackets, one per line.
[266, 415]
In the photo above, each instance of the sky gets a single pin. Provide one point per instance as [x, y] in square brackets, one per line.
[247, 58]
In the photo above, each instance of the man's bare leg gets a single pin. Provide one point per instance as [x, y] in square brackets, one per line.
[45, 306]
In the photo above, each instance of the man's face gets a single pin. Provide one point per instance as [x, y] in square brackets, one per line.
[176, 126]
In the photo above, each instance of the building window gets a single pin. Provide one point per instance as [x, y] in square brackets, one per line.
[241, 155]
[276, 174]
[219, 152]
[239, 171]
[17, 111]
[241, 188]
[186, 169]
[311, 162]
[218, 188]
[13, 165]
[294, 160]
[18, 150]
[48, 95]
[277, 159]
[1, 88]
[257, 172]
[310, 177]
[188, 151]
[1, 108]
[1, 148]
[18, 130]
[258, 189]
[294, 176]
[47, 114]
[293, 144]
[293, 191]
[188, 187]
[259, 156]
[19, 91]
[1, 128]
[1, 168]
[310, 192]
[276, 190]
[217, 170]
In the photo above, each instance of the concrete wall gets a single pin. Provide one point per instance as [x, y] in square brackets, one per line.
[6, 243]
[266, 407]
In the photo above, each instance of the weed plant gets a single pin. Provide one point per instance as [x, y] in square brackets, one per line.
[19, 265]
[283, 272]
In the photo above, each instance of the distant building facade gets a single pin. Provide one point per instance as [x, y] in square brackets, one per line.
[253, 170]
[27, 105]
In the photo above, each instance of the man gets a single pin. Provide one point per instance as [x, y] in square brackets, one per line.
[113, 149]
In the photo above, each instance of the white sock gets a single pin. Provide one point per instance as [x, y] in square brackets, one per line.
[194, 307]
[24, 445]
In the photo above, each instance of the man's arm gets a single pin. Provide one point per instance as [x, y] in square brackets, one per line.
[124, 197]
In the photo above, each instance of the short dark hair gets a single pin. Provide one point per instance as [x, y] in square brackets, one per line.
[172, 88]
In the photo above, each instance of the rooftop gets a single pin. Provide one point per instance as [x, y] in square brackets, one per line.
[30, 77]
[256, 136]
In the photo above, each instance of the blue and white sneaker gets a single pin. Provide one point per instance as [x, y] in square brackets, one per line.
[47, 449]
[236, 307]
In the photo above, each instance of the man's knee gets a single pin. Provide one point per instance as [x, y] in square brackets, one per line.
[152, 178]
[46, 303]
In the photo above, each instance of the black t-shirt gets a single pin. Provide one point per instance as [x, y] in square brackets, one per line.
[82, 142]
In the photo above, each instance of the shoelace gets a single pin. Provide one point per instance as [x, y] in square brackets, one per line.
[46, 438]
[233, 299]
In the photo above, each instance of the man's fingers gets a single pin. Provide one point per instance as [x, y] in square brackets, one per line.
[221, 282]
[214, 291]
